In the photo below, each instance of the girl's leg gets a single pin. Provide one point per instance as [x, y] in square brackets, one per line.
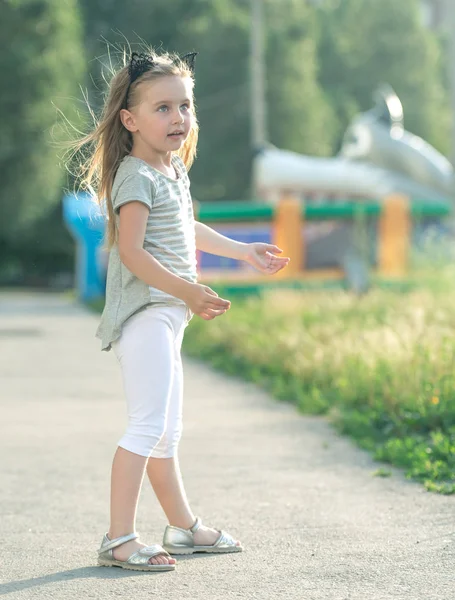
[146, 354]
[126, 481]
[127, 476]
[166, 480]
[163, 467]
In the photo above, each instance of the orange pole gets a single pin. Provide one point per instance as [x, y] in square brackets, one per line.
[287, 234]
[394, 230]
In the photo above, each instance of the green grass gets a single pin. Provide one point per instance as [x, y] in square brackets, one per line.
[380, 366]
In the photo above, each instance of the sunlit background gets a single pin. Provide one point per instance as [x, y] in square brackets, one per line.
[326, 126]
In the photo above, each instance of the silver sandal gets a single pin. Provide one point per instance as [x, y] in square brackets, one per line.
[181, 541]
[138, 561]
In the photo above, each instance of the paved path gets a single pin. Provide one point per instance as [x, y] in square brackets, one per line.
[314, 522]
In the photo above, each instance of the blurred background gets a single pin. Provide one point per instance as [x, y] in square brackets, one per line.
[287, 74]
[327, 126]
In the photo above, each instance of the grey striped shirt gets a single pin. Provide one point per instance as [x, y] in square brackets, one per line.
[169, 237]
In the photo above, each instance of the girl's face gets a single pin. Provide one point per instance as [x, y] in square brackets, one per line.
[163, 118]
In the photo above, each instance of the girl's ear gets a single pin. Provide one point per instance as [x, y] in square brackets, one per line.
[128, 120]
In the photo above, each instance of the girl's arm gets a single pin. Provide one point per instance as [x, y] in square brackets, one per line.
[209, 240]
[201, 299]
[259, 255]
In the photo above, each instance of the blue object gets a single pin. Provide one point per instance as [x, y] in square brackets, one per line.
[87, 224]
[240, 233]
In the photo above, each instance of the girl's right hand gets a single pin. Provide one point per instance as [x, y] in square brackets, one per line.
[205, 302]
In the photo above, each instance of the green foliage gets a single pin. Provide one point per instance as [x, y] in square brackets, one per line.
[380, 366]
[43, 251]
[300, 117]
[382, 472]
[365, 43]
[222, 169]
[43, 65]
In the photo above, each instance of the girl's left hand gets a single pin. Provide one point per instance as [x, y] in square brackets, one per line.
[263, 258]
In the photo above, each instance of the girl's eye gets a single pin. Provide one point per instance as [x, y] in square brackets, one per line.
[164, 108]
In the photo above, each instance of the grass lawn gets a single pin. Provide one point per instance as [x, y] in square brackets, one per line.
[380, 366]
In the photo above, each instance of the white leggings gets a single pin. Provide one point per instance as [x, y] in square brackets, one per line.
[149, 354]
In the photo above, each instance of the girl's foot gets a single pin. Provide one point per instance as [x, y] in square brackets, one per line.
[124, 551]
[205, 536]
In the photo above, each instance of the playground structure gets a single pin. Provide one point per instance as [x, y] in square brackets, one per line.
[381, 235]
[398, 186]
[386, 228]
[378, 157]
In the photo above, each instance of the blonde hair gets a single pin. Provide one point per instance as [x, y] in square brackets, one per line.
[110, 141]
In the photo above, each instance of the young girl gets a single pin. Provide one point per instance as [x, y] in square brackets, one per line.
[144, 144]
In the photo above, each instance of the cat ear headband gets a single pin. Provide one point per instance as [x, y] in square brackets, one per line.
[141, 63]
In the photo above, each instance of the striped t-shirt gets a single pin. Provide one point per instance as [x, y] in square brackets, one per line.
[169, 237]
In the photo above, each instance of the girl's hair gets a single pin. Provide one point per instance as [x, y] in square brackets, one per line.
[110, 141]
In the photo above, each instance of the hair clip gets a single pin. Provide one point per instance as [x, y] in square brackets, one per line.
[139, 64]
[189, 60]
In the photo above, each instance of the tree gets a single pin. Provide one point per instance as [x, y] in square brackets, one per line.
[223, 167]
[300, 117]
[367, 42]
[44, 65]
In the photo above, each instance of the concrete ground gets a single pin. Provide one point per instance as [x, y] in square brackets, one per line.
[314, 522]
